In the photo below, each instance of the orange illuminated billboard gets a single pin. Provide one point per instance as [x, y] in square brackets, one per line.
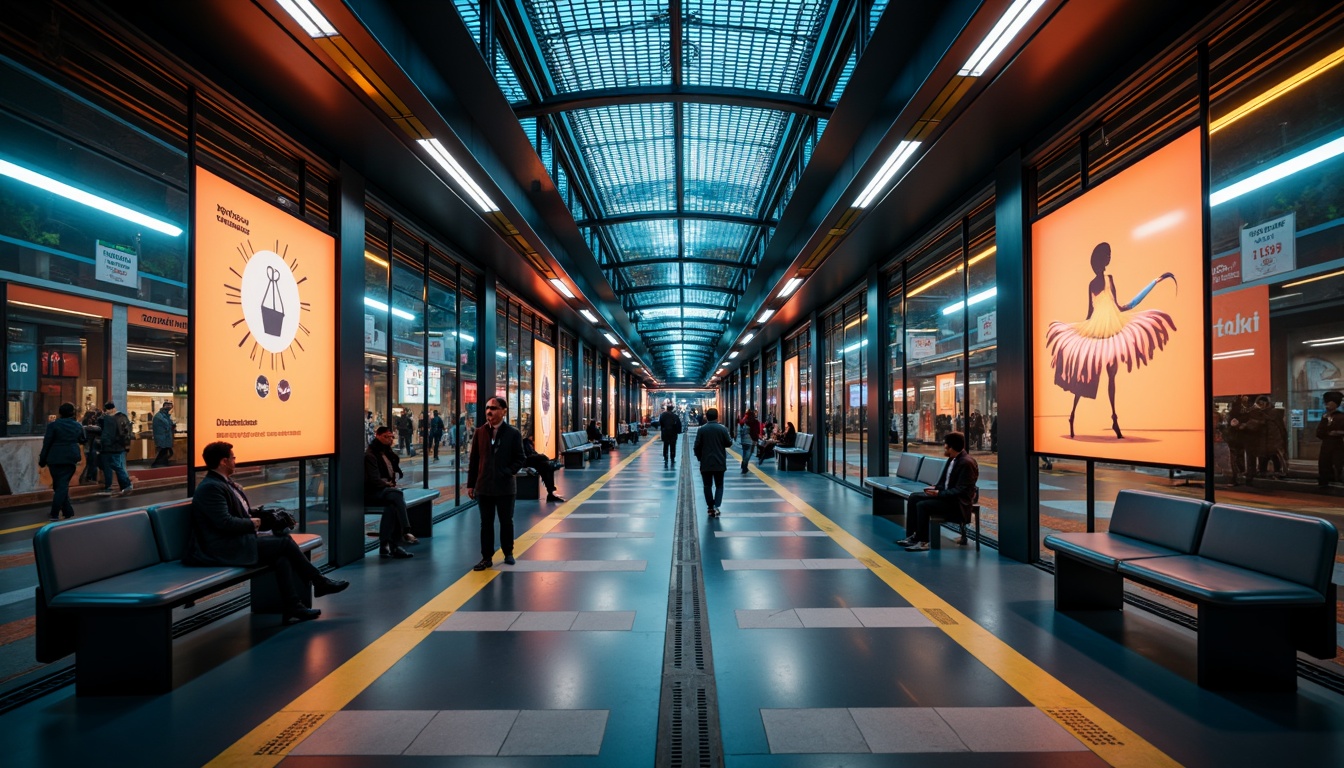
[791, 393]
[1118, 316]
[264, 318]
[543, 372]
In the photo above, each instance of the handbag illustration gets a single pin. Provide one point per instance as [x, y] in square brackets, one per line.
[272, 305]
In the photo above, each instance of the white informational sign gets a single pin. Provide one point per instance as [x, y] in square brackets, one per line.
[373, 338]
[922, 347]
[412, 378]
[116, 264]
[1269, 248]
[988, 326]
[1297, 418]
[437, 353]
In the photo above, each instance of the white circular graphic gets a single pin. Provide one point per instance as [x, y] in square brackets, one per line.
[270, 301]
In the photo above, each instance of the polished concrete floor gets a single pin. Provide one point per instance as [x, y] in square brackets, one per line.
[829, 646]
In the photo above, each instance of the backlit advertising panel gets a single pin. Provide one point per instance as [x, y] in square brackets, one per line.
[1241, 342]
[945, 390]
[611, 405]
[543, 372]
[1118, 316]
[265, 325]
[791, 394]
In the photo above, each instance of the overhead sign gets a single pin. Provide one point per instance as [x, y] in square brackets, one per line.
[1241, 342]
[1269, 248]
[116, 264]
[921, 347]
[546, 405]
[264, 340]
[1118, 316]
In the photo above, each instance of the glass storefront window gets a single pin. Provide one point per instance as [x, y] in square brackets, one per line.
[934, 343]
[54, 357]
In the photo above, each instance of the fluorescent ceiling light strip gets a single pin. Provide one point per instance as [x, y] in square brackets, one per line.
[627, 354]
[381, 307]
[855, 346]
[894, 162]
[375, 259]
[1009, 24]
[1328, 344]
[1287, 168]
[591, 317]
[979, 257]
[562, 288]
[748, 337]
[976, 299]
[1284, 296]
[465, 337]
[308, 17]
[1308, 280]
[732, 355]
[55, 309]
[765, 315]
[62, 189]
[790, 287]
[1277, 90]
[612, 339]
[459, 174]
[1331, 339]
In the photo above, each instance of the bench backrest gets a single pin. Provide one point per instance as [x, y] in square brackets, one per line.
[1293, 547]
[1174, 522]
[931, 470]
[908, 468]
[88, 549]
[172, 527]
[568, 437]
[804, 441]
[621, 429]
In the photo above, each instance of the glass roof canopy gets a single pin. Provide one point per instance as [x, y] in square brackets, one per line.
[676, 127]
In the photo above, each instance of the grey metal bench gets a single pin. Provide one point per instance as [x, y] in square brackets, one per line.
[107, 587]
[801, 452]
[1260, 580]
[914, 473]
[577, 450]
[419, 510]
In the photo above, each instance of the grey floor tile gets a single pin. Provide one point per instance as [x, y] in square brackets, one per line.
[737, 534]
[556, 732]
[906, 729]
[892, 617]
[544, 621]
[579, 565]
[833, 564]
[365, 732]
[464, 732]
[604, 621]
[478, 621]
[812, 731]
[1009, 729]
[815, 618]
[769, 618]
[762, 514]
[580, 535]
[762, 565]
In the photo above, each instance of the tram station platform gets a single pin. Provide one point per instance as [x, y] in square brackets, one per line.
[635, 630]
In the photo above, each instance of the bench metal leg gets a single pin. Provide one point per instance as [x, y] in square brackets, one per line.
[889, 505]
[267, 597]
[574, 460]
[1314, 627]
[124, 653]
[1246, 648]
[1081, 587]
[422, 519]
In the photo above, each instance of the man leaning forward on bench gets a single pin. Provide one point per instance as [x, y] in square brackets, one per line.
[224, 532]
[952, 498]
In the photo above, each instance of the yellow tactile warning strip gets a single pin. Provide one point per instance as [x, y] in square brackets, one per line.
[271, 741]
[1104, 735]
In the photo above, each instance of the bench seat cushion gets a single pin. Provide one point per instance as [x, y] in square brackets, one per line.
[413, 496]
[1105, 550]
[157, 586]
[1209, 580]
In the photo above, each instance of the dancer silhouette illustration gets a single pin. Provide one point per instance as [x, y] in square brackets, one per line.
[1108, 337]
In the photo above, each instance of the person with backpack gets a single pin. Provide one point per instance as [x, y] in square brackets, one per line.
[748, 434]
[93, 430]
[112, 446]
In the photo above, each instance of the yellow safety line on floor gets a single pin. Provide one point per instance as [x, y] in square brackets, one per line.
[1104, 735]
[273, 739]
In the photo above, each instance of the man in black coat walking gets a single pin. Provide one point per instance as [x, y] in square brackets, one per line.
[496, 456]
[669, 426]
[711, 448]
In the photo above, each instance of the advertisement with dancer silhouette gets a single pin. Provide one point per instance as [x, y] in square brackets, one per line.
[1118, 300]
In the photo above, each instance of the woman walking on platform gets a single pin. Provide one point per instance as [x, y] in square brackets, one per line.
[61, 453]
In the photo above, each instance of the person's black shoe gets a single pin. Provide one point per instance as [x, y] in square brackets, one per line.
[398, 553]
[554, 497]
[481, 566]
[508, 560]
[53, 518]
[301, 613]
[326, 586]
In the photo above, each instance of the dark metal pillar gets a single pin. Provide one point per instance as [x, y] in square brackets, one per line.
[346, 483]
[878, 375]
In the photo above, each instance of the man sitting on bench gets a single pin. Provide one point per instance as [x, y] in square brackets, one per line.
[951, 498]
[544, 466]
[224, 532]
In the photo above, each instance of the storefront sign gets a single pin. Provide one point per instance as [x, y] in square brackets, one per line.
[148, 318]
[946, 391]
[1226, 271]
[414, 388]
[988, 326]
[264, 327]
[1269, 248]
[22, 362]
[1241, 342]
[1142, 232]
[922, 347]
[543, 373]
[791, 393]
[116, 264]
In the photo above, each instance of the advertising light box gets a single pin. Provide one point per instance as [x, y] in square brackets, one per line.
[791, 394]
[546, 403]
[1118, 316]
[265, 325]
[414, 387]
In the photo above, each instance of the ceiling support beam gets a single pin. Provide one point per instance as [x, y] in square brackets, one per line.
[732, 97]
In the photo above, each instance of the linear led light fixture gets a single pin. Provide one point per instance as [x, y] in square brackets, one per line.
[1330, 340]
[465, 337]
[976, 299]
[1233, 354]
[732, 355]
[979, 257]
[634, 365]
[748, 337]
[790, 287]
[381, 307]
[894, 162]
[1287, 168]
[62, 189]
[612, 339]
[376, 259]
[627, 354]
[1277, 90]
[1009, 24]
[459, 175]
[562, 288]
[308, 17]
[45, 308]
[765, 315]
[591, 317]
[1308, 280]
[149, 352]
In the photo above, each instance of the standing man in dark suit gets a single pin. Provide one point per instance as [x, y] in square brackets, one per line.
[956, 491]
[711, 448]
[670, 426]
[496, 456]
[223, 532]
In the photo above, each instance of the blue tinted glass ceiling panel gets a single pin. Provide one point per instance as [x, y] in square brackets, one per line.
[660, 313]
[764, 45]
[631, 156]
[530, 128]
[508, 79]
[652, 274]
[637, 240]
[844, 78]
[601, 44]
[875, 14]
[716, 239]
[470, 11]
[706, 314]
[715, 298]
[658, 297]
[729, 151]
[709, 274]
